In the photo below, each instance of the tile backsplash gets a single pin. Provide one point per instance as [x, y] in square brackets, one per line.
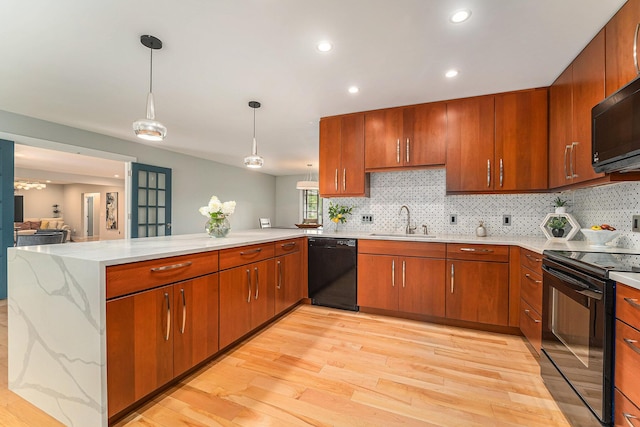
[423, 191]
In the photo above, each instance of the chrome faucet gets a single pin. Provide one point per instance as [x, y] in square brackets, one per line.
[409, 229]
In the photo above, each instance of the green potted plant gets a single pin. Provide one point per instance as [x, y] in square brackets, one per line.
[338, 213]
[557, 224]
[560, 205]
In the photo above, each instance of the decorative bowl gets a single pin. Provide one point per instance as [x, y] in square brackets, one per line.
[599, 237]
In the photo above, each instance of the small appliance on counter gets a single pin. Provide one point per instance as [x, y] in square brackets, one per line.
[333, 272]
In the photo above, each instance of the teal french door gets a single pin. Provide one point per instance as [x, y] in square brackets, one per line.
[6, 209]
[150, 200]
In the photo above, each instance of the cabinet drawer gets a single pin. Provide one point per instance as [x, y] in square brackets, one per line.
[531, 325]
[627, 360]
[284, 247]
[235, 257]
[626, 413]
[126, 279]
[531, 288]
[531, 260]
[628, 305]
[474, 252]
[413, 249]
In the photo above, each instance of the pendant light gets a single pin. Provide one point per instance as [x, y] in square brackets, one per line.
[254, 161]
[150, 129]
[309, 184]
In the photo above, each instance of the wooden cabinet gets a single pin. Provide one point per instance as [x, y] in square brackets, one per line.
[401, 276]
[406, 137]
[627, 355]
[531, 297]
[155, 335]
[341, 169]
[619, 41]
[572, 96]
[289, 283]
[477, 283]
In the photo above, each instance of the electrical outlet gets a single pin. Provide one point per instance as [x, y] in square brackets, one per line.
[367, 219]
[453, 219]
[635, 226]
[506, 219]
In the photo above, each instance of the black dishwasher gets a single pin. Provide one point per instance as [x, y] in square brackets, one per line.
[332, 272]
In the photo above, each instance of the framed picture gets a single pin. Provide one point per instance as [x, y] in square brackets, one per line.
[112, 211]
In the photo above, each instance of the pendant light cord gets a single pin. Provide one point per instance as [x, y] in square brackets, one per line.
[151, 72]
[254, 122]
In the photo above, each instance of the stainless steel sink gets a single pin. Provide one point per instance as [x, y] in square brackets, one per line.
[405, 236]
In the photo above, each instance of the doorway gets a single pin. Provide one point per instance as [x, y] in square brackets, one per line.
[91, 216]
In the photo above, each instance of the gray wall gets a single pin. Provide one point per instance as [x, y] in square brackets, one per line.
[288, 201]
[39, 203]
[194, 179]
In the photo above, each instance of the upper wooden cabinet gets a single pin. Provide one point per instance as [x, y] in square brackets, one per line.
[620, 32]
[406, 137]
[341, 169]
[572, 96]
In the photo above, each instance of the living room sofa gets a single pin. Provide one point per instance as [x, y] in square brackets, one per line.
[31, 225]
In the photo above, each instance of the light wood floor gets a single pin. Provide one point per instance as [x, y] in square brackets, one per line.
[324, 367]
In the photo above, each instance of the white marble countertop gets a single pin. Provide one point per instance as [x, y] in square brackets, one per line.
[629, 279]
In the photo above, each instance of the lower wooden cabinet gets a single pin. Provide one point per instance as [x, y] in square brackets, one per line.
[155, 335]
[531, 325]
[288, 281]
[626, 414]
[627, 356]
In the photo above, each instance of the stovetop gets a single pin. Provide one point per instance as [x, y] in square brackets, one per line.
[600, 262]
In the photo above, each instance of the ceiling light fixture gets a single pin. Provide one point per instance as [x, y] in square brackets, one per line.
[150, 129]
[309, 184]
[254, 161]
[354, 89]
[324, 46]
[25, 185]
[451, 73]
[460, 16]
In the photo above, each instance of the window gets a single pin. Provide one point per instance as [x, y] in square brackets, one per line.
[311, 206]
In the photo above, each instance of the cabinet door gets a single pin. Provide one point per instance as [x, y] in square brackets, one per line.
[330, 153]
[236, 295]
[521, 141]
[288, 281]
[422, 288]
[470, 144]
[195, 329]
[378, 281]
[620, 31]
[425, 134]
[139, 346]
[588, 90]
[383, 133]
[262, 292]
[560, 118]
[352, 180]
[478, 292]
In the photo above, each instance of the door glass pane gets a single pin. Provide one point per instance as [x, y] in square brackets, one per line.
[142, 178]
[152, 216]
[152, 231]
[142, 197]
[570, 324]
[161, 230]
[162, 179]
[152, 198]
[161, 219]
[142, 215]
[161, 198]
[142, 231]
[153, 180]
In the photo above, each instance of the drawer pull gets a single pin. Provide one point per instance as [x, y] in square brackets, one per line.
[631, 343]
[279, 275]
[249, 285]
[528, 276]
[453, 277]
[166, 297]
[393, 273]
[528, 313]
[404, 273]
[633, 302]
[532, 258]
[628, 417]
[254, 251]
[184, 311]
[481, 251]
[171, 267]
[288, 245]
[257, 281]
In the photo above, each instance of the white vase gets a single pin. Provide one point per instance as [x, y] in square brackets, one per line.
[561, 209]
[218, 227]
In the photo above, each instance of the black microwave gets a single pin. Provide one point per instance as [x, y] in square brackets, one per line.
[615, 131]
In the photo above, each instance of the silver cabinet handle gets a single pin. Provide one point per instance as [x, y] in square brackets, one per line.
[344, 179]
[288, 245]
[631, 343]
[627, 416]
[171, 267]
[398, 150]
[257, 281]
[633, 302]
[453, 275]
[528, 313]
[167, 334]
[528, 276]
[480, 251]
[279, 275]
[253, 251]
[408, 150]
[336, 179]
[566, 150]
[532, 258]
[635, 48]
[488, 173]
[572, 159]
[249, 285]
[184, 311]
[404, 273]
[393, 273]
[501, 172]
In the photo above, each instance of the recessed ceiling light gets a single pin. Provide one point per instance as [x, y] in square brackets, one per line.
[116, 176]
[460, 16]
[354, 89]
[324, 46]
[451, 73]
[47, 181]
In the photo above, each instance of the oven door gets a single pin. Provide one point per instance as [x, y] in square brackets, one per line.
[577, 333]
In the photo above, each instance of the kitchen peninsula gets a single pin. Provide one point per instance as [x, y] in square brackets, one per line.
[58, 305]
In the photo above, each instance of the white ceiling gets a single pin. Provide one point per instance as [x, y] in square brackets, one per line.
[80, 63]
